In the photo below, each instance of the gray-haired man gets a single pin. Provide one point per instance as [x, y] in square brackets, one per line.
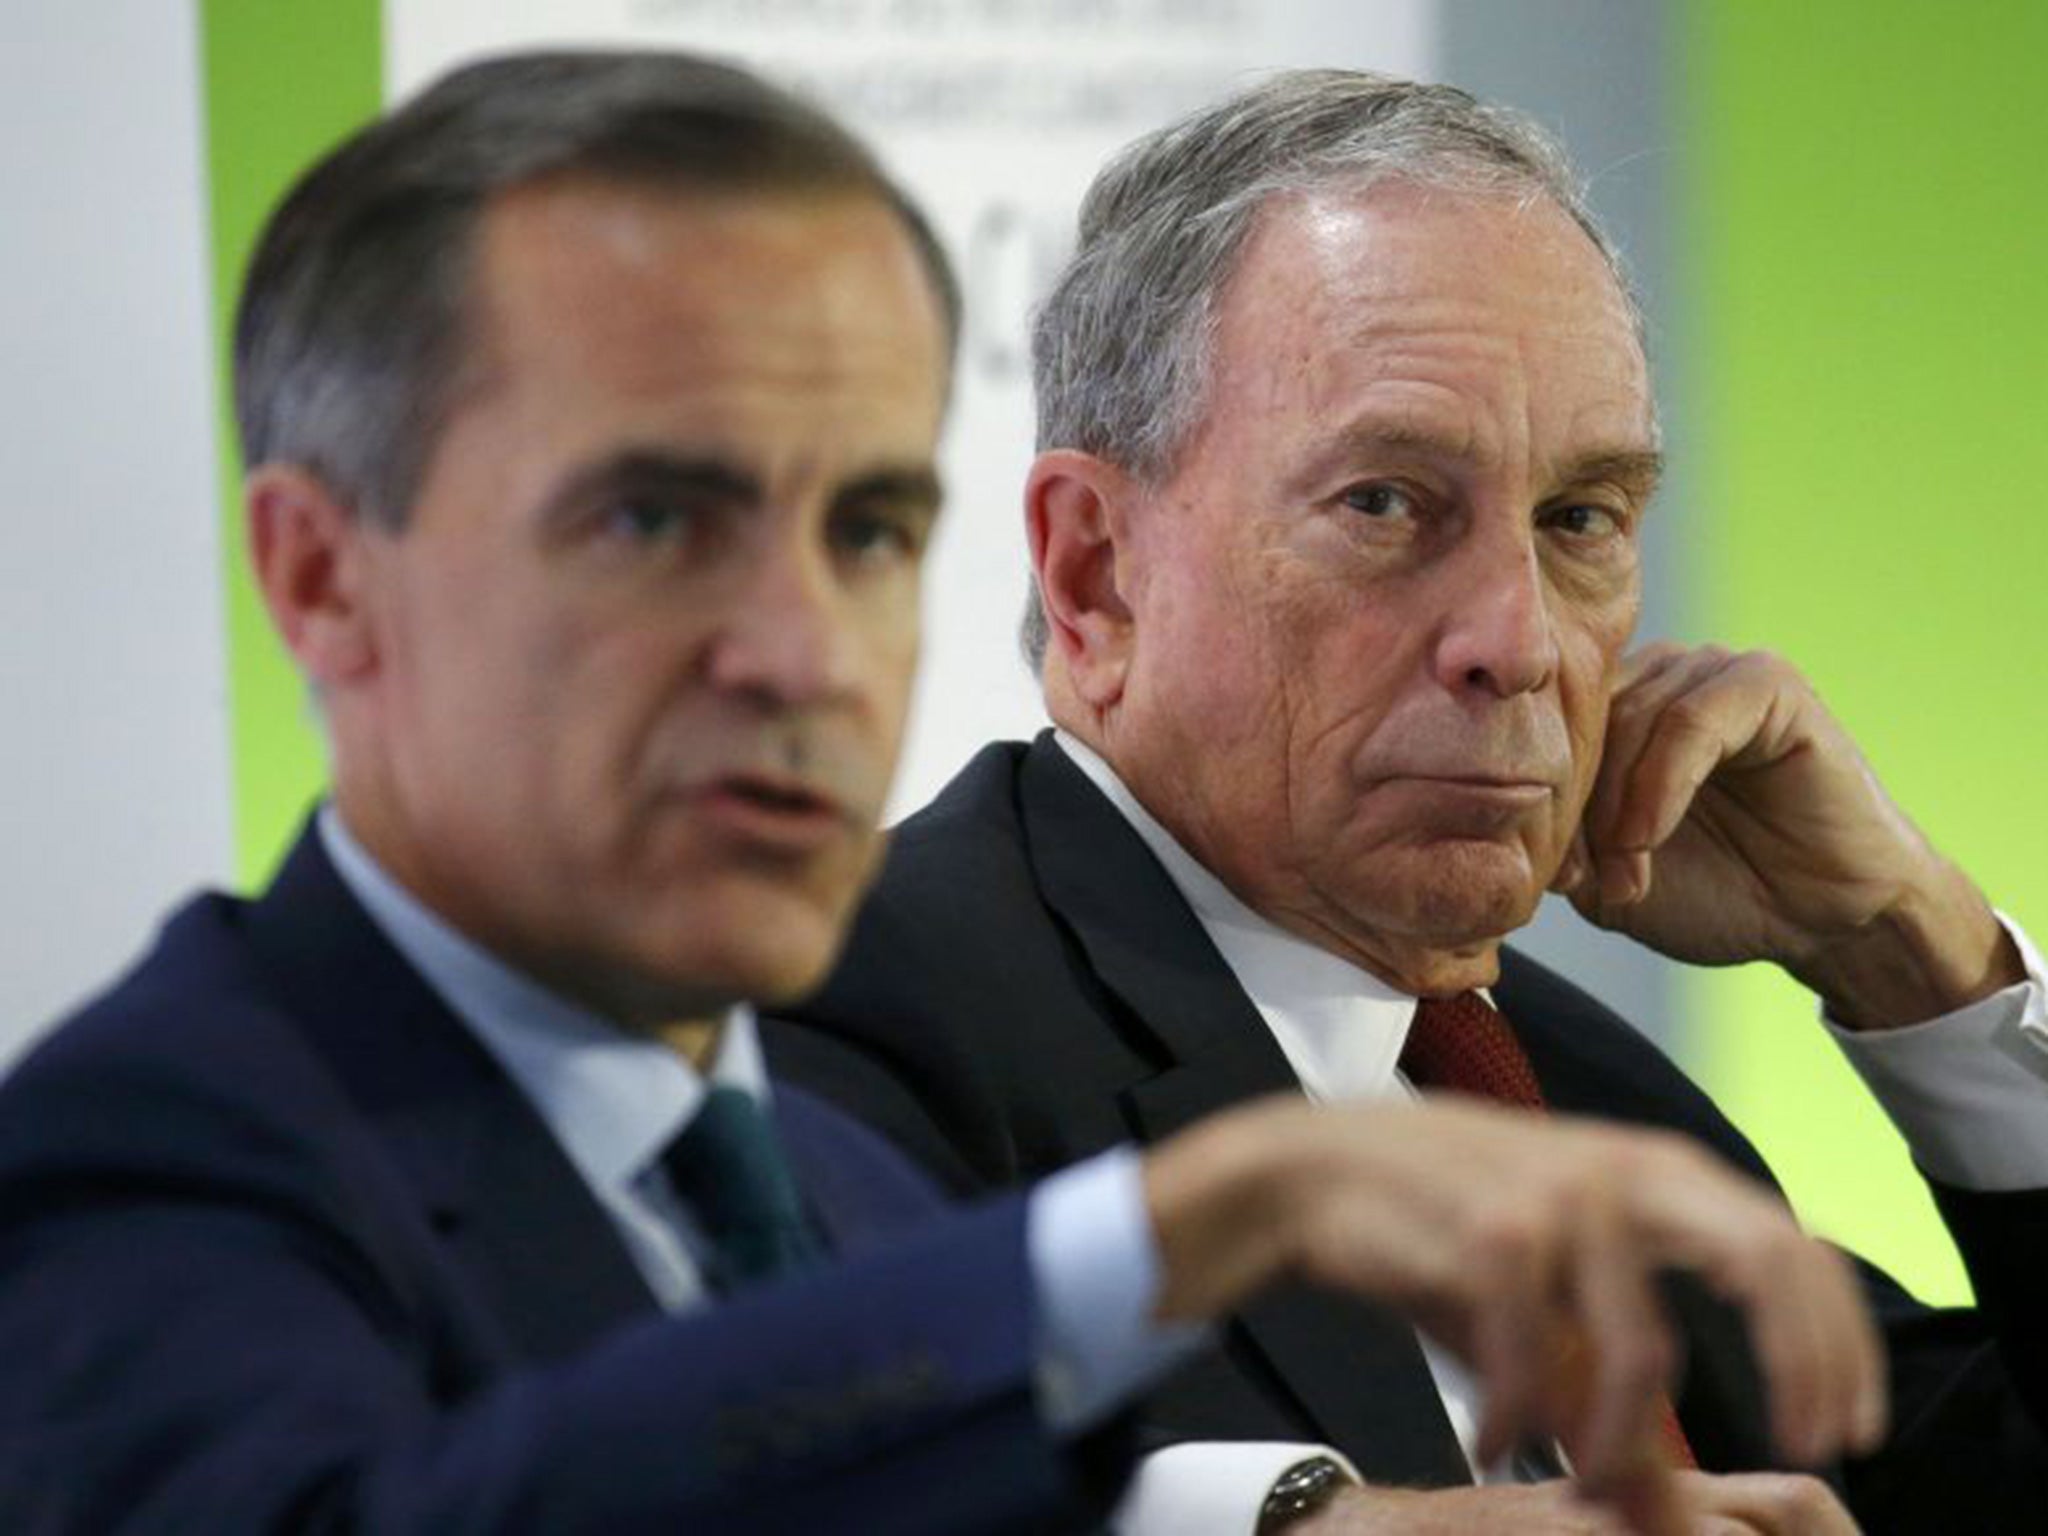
[1346, 445]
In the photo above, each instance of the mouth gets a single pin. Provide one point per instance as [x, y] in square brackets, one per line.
[1501, 786]
[1476, 805]
[774, 811]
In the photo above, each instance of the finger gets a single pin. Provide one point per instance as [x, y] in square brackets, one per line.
[1651, 1504]
[1778, 1503]
[1630, 1346]
[1842, 1372]
[1874, 1396]
[1631, 711]
[1616, 845]
[1515, 1341]
[1804, 1320]
[1863, 1413]
[1823, 1313]
[1704, 728]
[1646, 659]
[1758, 710]
[1790, 1347]
[1575, 869]
[1817, 1348]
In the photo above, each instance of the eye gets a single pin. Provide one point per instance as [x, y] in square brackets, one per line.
[646, 520]
[1584, 520]
[871, 536]
[1382, 501]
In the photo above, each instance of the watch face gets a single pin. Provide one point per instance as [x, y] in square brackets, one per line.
[1301, 1490]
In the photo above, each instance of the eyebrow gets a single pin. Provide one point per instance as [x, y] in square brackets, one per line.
[1637, 469]
[650, 470]
[916, 488]
[710, 476]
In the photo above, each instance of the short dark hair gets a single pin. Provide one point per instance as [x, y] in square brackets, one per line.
[353, 332]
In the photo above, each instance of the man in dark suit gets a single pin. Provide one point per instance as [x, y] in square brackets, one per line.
[590, 405]
[1345, 442]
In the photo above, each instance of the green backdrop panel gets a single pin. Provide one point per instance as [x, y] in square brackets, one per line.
[1868, 254]
[283, 80]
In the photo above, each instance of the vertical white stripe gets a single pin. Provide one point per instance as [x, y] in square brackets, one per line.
[113, 745]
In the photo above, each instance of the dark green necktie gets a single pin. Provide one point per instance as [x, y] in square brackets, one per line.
[728, 1167]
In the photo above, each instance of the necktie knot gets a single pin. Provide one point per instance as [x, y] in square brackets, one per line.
[1463, 1043]
[728, 1167]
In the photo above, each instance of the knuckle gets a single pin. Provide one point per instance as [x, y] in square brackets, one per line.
[1768, 665]
[1636, 1371]
[1755, 1266]
[1809, 1495]
[1690, 715]
[1509, 1237]
[1796, 1493]
[1786, 1249]
[1635, 1159]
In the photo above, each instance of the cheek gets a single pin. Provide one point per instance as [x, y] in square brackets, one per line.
[883, 670]
[1343, 674]
[896, 649]
[592, 701]
[1586, 686]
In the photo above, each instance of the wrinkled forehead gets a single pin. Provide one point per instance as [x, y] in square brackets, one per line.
[1399, 273]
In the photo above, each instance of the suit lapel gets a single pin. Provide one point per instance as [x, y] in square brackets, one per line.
[510, 1211]
[1147, 947]
[1139, 935]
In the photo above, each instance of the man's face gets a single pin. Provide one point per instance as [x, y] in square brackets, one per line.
[1378, 605]
[645, 648]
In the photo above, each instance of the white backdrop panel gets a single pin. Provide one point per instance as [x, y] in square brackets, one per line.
[113, 711]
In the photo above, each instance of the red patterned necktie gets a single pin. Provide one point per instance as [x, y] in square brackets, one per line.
[1464, 1043]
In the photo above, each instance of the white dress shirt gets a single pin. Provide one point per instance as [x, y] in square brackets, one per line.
[1969, 1092]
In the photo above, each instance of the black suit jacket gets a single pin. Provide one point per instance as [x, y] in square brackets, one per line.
[1026, 986]
[282, 1249]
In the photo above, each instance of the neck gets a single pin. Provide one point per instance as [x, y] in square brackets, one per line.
[695, 1040]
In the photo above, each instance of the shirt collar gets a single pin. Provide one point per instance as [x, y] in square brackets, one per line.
[613, 1099]
[1340, 1027]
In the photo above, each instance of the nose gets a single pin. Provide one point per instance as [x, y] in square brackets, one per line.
[1496, 635]
[786, 639]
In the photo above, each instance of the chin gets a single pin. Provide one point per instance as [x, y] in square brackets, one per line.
[749, 938]
[1468, 897]
[768, 965]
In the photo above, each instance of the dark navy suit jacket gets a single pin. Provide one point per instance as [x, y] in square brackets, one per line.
[282, 1249]
[1025, 986]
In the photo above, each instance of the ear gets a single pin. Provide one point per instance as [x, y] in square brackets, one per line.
[307, 551]
[1075, 512]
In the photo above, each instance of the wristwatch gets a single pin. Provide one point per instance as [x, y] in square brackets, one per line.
[1301, 1490]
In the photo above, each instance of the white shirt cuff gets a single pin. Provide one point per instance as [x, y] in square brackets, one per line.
[1209, 1487]
[1095, 1270]
[1969, 1090]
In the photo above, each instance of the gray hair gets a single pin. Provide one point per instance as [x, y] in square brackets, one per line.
[353, 336]
[1121, 347]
